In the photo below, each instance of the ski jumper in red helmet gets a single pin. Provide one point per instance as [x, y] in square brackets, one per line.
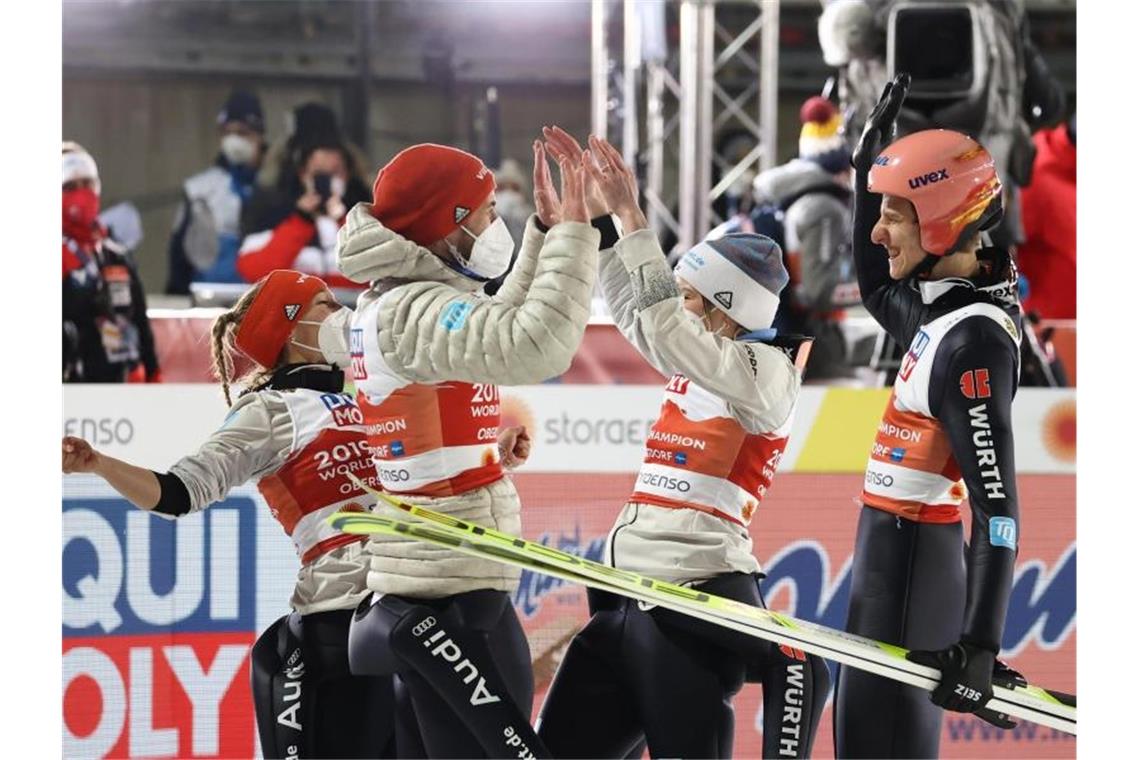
[295, 434]
[951, 181]
[946, 434]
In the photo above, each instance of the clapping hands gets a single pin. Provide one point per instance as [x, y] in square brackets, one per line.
[608, 185]
[552, 209]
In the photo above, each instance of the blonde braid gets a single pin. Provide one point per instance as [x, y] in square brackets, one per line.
[222, 335]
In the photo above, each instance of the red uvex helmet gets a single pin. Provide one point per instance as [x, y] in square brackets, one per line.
[949, 178]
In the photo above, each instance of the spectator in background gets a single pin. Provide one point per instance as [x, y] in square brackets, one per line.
[513, 206]
[1048, 258]
[306, 125]
[106, 333]
[207, 228]
[511, 198]
[814, 192]
[294, 224]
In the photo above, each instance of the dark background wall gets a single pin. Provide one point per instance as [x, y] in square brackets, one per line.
[143, 80]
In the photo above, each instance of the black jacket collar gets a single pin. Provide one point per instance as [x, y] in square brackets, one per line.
[315, 377]
[996, 284]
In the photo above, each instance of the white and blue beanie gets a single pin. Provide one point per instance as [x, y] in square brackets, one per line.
[742, 273]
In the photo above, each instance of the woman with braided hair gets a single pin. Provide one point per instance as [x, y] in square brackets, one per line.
[288, 429]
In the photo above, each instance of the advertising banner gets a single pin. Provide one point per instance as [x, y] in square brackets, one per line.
[159, 616]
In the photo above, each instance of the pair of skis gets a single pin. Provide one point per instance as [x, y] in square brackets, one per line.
[1032, 703]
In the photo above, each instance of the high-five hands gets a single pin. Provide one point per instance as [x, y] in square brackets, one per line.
[610, 185]
[551, 209]
[616, 182]
[561, 145]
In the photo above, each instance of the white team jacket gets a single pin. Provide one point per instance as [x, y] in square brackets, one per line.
[758, 383]
[434, 325]
[257, 439]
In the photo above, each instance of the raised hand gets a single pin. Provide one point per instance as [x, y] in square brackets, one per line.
[879, 130]
[573, 192]
[561, 144]
[616, 182]
[546, 202]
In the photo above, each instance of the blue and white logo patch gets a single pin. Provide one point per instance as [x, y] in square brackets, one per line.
[455, 315]
[680, 457]
[1003, 532]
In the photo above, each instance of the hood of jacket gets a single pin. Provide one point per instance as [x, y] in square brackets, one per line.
[781, 183]
[367, 251]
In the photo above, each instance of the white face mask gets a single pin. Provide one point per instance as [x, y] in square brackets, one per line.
[332, 337]
[703, 321]
[491, 254]
[238, 150]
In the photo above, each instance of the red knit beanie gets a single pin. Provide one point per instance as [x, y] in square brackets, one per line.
[427, 190]
[267, 325]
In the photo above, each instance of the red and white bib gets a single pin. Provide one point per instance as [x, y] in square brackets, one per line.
[912, 471]
[313, 483]
[431, 440]
[699, 457]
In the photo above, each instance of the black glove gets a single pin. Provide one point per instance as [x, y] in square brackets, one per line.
[1005, 676]
[967, 676]
[879, 130]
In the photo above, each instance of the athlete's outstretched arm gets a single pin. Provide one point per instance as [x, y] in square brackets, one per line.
[430, 332]
[975, 410]
[249, 440]
[871, 266]
[137, 485]
[613, 279]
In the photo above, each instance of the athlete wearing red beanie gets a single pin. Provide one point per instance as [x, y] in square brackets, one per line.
[428, 350]
[286, 430]
[427, 191]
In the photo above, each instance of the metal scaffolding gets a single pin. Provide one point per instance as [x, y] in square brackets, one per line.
[719, 78]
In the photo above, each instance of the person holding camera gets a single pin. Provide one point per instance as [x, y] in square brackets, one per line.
[298, 230]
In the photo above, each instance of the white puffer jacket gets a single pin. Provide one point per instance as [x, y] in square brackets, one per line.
[758, 381]
[528, 332]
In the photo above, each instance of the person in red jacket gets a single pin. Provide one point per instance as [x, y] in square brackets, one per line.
[298, 228]
[1048, 258]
